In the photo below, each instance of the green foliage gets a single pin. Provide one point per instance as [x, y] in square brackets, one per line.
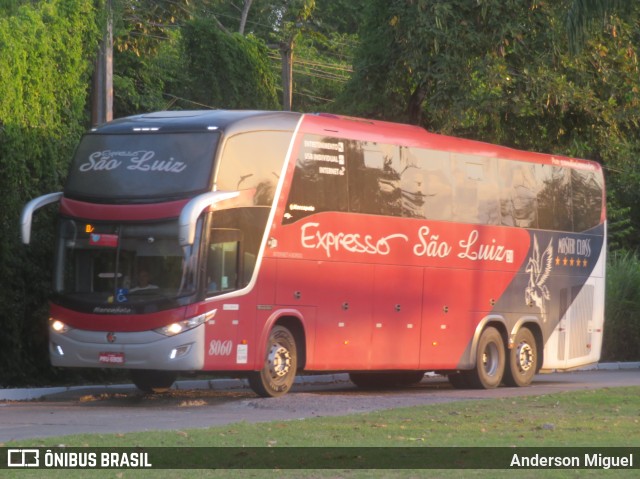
[622, 315]
[501, 71]
[584, 15]
[46, 49]
[320, 70]
[620, 233]
[151, 82]
[323, 34]
[228, 70]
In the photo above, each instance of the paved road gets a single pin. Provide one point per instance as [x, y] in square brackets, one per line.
[96, 410]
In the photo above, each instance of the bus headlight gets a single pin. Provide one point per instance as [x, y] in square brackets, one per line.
[58, 326]
[182, 326]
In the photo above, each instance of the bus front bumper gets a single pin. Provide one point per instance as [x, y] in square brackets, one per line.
[137, 350]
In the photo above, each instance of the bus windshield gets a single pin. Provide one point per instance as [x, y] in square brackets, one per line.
[121, 264]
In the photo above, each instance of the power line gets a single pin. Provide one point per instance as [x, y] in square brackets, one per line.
[314, 97]
[175, 98]
[302, 61]
[321, 76]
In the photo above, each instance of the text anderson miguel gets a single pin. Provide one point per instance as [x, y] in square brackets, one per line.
[586, 461]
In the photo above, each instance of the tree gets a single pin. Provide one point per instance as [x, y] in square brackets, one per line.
[143, 25]
[311, 43]
[583, 15]
[149, 69]
[46, 50]
[501, 71]
[227, 70]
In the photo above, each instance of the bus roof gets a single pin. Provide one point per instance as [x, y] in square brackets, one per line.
[199, 120]
[231, 121]
[416, 136]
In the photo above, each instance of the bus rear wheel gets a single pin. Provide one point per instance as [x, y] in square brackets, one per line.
[523, 360]
[279, 371]
[490, 361]
[152, 381]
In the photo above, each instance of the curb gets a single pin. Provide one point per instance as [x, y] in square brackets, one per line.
[27, 394]
[615, 366]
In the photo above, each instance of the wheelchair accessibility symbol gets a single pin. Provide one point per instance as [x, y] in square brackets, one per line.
[121, 295]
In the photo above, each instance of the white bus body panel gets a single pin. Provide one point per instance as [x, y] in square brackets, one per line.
[577, 339]
[138, 350]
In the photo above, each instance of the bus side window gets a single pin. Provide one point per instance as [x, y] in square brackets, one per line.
[427, 184]
[586, 190]
[475, 189]
[554, 198]
[374, 179]
[320, 181]
[223, 261]
[518, 195]
[253, 161]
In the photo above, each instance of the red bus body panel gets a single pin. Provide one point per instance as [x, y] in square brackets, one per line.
[370, 292]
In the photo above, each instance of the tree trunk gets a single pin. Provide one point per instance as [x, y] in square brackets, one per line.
[245, 14]
[414, 107]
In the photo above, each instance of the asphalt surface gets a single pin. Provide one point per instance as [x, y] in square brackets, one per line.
[199, 404]
[26, 394]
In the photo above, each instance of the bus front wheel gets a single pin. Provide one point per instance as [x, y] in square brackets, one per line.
[152, 381]
[279, 371]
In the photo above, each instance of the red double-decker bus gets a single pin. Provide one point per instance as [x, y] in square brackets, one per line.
[262, 244]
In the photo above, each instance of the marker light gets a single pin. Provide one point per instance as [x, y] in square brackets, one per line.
[180, 351]
[58, 326]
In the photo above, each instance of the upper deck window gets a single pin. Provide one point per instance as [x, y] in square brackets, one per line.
[339, 174]
[253, 161]
[142, 166]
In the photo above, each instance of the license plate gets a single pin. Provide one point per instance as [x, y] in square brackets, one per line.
[111, 358]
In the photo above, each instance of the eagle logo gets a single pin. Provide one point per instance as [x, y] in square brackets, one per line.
[539, 269]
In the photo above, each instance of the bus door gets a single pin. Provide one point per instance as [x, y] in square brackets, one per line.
[576, 329]
[223, 274]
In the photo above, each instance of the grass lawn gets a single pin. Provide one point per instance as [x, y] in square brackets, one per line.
[596, 418]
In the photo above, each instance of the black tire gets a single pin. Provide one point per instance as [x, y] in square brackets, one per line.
[152, 381]
[459, 380]
[386, 379]
[408, 378]
[490, 361]
[522, 362]
[280, 364]
[364, 380]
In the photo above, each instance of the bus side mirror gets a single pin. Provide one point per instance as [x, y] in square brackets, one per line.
[192, 210]
[28, 210]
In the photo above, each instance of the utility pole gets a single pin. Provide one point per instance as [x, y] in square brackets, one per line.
[286, 50]
[102, 101]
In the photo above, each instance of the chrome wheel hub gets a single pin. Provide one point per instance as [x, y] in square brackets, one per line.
[524, 353]
[279, 361]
